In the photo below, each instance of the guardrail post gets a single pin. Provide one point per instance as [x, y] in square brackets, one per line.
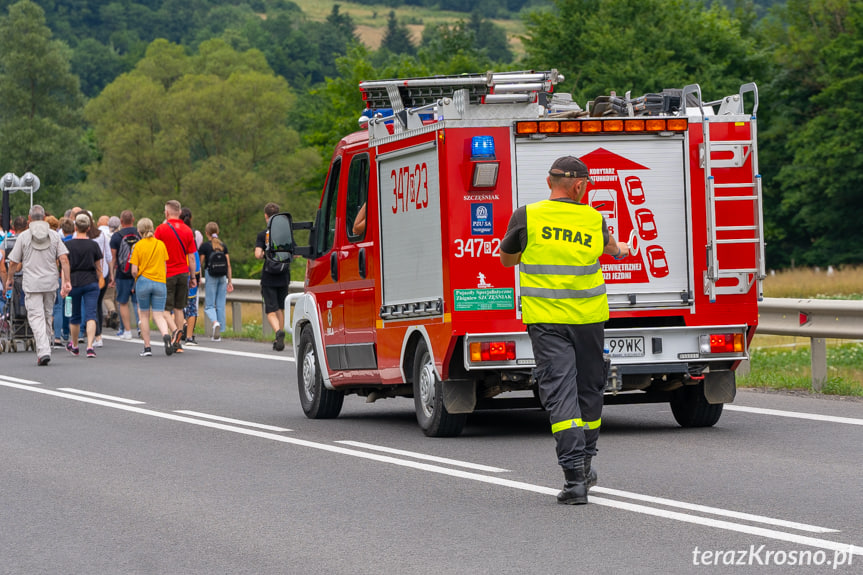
[818, 347]
[237, 316]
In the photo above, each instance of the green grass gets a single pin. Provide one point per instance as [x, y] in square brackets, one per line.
[789, 369]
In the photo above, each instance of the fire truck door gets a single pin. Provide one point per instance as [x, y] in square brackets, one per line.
[323, 274]
[355, 277]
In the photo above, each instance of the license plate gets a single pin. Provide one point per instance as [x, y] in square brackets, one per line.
[625, 346]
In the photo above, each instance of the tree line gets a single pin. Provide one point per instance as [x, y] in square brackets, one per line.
[227, 105]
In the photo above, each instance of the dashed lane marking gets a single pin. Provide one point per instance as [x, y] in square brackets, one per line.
[795, 414]
[467, 475]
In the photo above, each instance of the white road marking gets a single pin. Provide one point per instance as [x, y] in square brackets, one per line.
[229, 420]
[499, 481]
[157, 342]
[423, 456]
[16, 380]
[714, 510]
[103, 396]
[795, 414]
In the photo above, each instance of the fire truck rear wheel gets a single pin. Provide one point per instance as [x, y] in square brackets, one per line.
[432, 416]
[318, 402]
[690, 407]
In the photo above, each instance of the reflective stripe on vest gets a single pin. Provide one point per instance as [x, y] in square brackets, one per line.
[570, 423]
[560, 275]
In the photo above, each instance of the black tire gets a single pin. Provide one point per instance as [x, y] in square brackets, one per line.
[318, 402]
[690, 407]
[432, 416]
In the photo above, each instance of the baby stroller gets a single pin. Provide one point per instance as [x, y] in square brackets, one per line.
[14, 327]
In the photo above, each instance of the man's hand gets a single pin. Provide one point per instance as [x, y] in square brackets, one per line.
[65, 289]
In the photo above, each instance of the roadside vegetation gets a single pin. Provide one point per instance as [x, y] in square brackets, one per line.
[780, 362]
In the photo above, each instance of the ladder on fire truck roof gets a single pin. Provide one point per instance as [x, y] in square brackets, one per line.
[717, 172]
[488, 88]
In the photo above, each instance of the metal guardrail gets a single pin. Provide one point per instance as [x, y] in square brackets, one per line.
[817, 319]
[245, 291]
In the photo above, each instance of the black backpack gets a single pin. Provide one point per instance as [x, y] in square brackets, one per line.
[124, 253]
[217, 263]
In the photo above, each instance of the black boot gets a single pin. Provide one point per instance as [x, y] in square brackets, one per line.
[589, 472]
[575, 489]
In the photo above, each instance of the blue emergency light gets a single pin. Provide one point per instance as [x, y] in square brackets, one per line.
[482, 148]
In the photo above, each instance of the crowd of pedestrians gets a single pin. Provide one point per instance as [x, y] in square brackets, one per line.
[80, 273]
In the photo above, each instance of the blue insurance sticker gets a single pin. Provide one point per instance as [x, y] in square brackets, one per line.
[481, 221]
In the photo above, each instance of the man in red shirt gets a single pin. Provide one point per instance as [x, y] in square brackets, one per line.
[180, 241]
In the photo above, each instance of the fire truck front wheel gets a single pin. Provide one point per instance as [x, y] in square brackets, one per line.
[691, 409]
[432, 416]
[318, 402]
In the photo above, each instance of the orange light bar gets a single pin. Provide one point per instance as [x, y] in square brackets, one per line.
[526, 128]
[630, 125]
[592, 126]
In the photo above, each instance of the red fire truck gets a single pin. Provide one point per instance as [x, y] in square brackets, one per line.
[405, 295]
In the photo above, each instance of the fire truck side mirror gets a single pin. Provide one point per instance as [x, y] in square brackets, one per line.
[280, 237]
[281, 243]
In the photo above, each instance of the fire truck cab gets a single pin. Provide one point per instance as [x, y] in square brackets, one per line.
[404, 292]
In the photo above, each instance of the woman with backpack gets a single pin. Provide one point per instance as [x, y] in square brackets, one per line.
[216, 264]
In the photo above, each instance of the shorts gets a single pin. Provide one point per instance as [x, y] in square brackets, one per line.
[178, 291]
[151, 294]
[274, 298]
[124, 289]
[88, 295]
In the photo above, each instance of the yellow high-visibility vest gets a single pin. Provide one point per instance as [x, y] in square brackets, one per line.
[561, 279]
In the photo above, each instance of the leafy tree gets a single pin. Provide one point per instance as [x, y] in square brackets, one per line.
[490, 38]
[639, 45]
[96, 65]
[397, 38]
[41, 128]
[208, 129]
[477, 40]
[815, 132]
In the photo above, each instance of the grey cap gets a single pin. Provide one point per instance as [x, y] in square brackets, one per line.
[570, 167]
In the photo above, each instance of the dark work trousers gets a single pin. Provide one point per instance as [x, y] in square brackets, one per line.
[570, 374]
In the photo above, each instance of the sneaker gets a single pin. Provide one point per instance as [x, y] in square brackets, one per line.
[97, 343]
[217, 331]
[178, 348]
[43, 360]
[169, 346]
[72, 350]
[91, 352]
[279, 344]
[119, 333]
[126, 335]
[59, 343]
[146, 353]
[183, 332]
[191, 341]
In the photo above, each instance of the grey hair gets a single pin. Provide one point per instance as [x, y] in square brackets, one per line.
[37, 213]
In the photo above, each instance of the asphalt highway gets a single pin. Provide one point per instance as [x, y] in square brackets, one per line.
[205, 463]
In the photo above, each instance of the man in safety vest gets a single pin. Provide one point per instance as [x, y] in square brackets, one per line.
[557, 244]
